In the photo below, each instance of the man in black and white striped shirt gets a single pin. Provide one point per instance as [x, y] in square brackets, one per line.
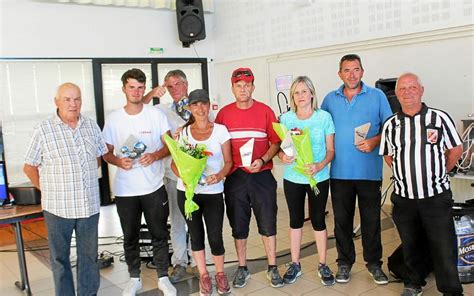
[421, 145]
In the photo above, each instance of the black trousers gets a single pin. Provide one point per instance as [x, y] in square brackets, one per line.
[433, 217]
[244, 193]
[211, 209]
[343, 196]
[154, 207]
[295, 195]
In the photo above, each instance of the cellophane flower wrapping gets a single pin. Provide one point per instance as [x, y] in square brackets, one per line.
[304, 153]
[190, 161]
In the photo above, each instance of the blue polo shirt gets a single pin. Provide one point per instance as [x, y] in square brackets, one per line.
[370, 105]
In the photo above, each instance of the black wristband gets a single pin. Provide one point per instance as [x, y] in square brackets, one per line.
[263, 161]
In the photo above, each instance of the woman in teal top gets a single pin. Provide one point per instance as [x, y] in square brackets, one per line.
[305, 113]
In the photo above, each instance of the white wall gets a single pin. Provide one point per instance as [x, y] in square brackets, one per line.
[247, 28]
[307, 37]
[40, 29]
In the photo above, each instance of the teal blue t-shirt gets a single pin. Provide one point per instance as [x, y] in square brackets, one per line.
[320, 125]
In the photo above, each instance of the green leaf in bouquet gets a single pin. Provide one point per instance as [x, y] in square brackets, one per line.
[190, 170]
[305, 156]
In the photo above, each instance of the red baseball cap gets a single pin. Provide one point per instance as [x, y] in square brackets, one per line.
[244, 74]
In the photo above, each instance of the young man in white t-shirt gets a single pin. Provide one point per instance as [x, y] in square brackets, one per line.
[133, 135]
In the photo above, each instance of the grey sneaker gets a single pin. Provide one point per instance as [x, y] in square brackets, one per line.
[274, 277]
[343, 274]
[292, 273]
[378, 275]
[327, 278]
[241, 277]
[194, 271]
[178, 273]
[412, 292]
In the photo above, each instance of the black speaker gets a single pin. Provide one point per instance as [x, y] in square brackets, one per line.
[190, 16]
[388, 87]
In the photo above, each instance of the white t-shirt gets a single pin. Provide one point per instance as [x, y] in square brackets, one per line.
[219, 136]
[147, 126]
[174, 122]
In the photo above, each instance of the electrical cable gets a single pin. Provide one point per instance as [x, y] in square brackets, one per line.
[383, 199]
[150, 265]
[467, 155]
[286, 102]
[331, 237]
[195, 51]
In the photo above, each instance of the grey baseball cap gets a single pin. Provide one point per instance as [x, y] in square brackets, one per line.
[198, 95]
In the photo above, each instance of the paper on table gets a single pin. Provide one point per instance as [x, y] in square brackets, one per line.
[360, 133]
[246, 152]
[287, 145]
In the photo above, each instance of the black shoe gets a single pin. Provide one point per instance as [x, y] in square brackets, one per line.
[343, 274]
[178, 273]
[327, 278]
[241, 277]
[417, 291]
[292, 273]
[274, 277]
[379, 276]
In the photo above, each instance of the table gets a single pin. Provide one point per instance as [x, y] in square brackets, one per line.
[14, 216]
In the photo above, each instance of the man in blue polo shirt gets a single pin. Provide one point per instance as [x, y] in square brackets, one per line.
[358, 112]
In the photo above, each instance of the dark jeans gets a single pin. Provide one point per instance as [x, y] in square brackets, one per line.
[59, 241]
[343, 195]
[295, 195]
[432, 216]
[211, 208]
[154, 207]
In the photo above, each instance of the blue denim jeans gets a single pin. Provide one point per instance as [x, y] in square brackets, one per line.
[59, 239]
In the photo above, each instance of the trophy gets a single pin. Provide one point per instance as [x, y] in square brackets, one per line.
[182, 109]
[360, 133]
[202, 180]
[133, 148]
[246, 152]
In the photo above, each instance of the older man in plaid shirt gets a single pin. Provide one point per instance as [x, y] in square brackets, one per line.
[62, 162]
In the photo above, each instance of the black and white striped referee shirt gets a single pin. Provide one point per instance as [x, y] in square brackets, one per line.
[417, 145]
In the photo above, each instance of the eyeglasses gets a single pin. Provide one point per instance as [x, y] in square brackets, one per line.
[239, 74]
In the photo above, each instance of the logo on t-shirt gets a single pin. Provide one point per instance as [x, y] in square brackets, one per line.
[432, 135]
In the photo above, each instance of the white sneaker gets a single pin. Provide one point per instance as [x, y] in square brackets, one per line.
[132, 287]
[166, 287]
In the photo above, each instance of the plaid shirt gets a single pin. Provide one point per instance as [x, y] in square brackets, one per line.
[67, 161]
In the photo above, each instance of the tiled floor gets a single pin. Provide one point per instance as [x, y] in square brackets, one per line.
[114, 278]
